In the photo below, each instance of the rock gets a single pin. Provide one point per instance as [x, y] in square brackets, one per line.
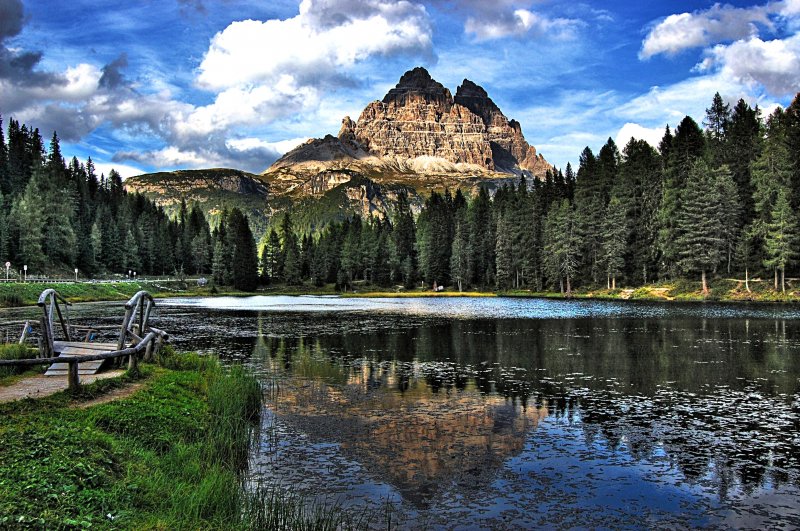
[418, 127]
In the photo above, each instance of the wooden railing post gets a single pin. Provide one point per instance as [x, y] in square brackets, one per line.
[74, 378]
[24, 335]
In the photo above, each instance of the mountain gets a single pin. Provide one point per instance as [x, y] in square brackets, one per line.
[418, 129]
[417, 139]
[213, 189]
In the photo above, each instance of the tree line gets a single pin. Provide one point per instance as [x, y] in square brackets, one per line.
[721, 199]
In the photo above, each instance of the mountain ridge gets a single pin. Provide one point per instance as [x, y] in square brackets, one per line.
[420, 119]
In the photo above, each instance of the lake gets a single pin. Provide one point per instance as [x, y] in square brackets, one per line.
[516, 413]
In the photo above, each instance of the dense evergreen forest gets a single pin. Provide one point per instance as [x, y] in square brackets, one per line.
[717, 200]
[55, 215]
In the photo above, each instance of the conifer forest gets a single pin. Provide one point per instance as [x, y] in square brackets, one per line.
[716, 199]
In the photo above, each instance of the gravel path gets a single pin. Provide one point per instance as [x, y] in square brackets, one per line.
[40, 386]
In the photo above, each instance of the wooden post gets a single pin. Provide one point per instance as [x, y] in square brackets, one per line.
[133, 363]
[47, 335]
[148, 353]
[24, 332]
[74, 378]
[124, 331]
[64, 324]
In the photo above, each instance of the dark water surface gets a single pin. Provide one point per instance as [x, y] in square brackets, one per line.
[518, 413]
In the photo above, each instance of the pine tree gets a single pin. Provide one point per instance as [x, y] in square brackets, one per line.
[729, 212]
[792, 132]
[404, 240]
[244, 267]
[699, 223]
[218, 263]
[687, 146]
[562, 245]
[503, 255]
[615, 236]
[28, 225]
[201, 249]
[460, 255]
[5, 183]
[745, 250]
[742, 146]
[717, 123]
[781, 237]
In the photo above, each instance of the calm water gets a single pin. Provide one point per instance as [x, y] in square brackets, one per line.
[509, 413]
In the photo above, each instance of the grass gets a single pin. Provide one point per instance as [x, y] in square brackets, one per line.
[171, 456]
[22, 294]
[729, 290]
[14, 352]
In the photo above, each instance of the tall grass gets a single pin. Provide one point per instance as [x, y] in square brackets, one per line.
[268, 507]
[15, 352]
[234, 402]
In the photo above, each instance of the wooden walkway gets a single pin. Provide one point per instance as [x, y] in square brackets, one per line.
[73, 358]
[77, 349]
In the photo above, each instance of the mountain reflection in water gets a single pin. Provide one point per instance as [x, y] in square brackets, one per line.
[510, 413]
[422, 440]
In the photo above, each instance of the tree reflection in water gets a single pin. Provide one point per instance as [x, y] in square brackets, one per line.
[443, 407]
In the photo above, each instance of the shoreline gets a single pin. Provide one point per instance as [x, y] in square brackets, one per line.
[725, 291]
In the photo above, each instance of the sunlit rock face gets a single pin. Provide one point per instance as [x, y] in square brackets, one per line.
[419, 127]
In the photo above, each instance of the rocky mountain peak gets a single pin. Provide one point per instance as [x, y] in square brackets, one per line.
[416, 85]
[477, 100]
[419, 128]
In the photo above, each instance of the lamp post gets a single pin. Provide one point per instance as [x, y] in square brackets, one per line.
[8, 264]
[25, 268]
[129, 274]
[134, 276]
[76, 274]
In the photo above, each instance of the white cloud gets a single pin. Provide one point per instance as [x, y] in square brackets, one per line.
[520, 22]
[693, 30]
[773, 64]
[651, 135]
[124, 170]
[313, 48]
[281, 147]
[734, 51]
[247, 105]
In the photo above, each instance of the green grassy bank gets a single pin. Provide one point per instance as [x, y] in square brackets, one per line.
[681, 290]
[172, 455]
[21, 294]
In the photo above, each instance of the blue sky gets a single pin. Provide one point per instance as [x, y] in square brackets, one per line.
[165, 84]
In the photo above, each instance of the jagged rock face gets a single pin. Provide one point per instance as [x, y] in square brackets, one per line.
[509, 148]
[417, 86]
[418, 138]
[419, 127]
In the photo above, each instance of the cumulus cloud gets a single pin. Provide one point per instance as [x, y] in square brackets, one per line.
[255, 73]
[693, 30]
[518, 23]
[486, 21]
[773, 64]
[314, 47]
[734, 49]
[651, 135]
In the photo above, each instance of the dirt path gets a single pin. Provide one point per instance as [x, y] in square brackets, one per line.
[40, 386]
[116, 394]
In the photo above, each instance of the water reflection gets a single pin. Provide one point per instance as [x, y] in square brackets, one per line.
[490, 413]
[436, 430]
